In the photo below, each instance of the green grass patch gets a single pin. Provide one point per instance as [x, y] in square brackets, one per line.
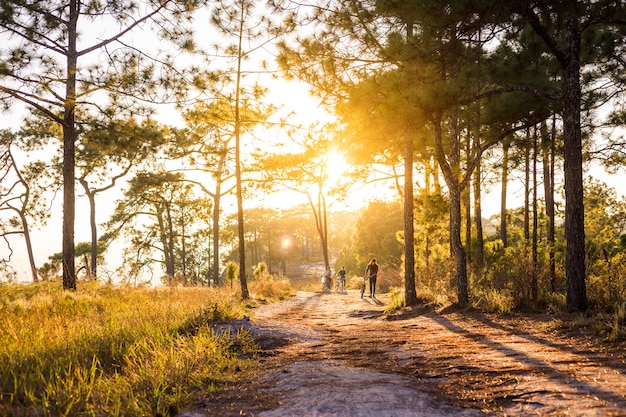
[105, 351]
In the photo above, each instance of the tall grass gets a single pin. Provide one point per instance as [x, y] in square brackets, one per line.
[267, 287]
[105, 351]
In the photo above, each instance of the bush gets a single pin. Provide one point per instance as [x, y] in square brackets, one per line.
[270, 288]
[493, 300]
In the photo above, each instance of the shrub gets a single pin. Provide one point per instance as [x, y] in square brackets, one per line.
[494, 300]
[268, 287]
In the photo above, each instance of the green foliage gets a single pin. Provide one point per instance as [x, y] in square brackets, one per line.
[107, 351]
[231, 272]
[375, 235]
[397, 300]
[260, 271]
[494, 300]
[605, 220]
[435, 289]
[346, 258]
[431, 233]
[607, 287]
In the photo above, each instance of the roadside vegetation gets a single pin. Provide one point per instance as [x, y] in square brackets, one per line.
[114, 351]
[523, 275]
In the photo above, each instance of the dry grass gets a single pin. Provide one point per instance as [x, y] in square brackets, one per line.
[114, 351]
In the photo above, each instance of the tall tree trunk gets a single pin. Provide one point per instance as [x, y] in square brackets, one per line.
[410, 295]
[576, 297]
[436, 181]
[183, 247]
[69, 152]
[94, 235]
[478, 212]
[568, 55]
[427, 192]
[504, 183]
[245, 294]
[478, 220]
[428, 172]
[21, 212]
[527, 148]
[451, 170]
[325, 226]
[93, 227]
[29, 246]
[534, 284]
[216, 235]
[547, 143]
[457, 246]
[171, 268]
[269, 250]
[321, 222]
[163, 237]
[467, 197]
[527, 191]
[255, 249]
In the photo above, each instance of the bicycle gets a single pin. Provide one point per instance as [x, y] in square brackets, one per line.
[340, 285]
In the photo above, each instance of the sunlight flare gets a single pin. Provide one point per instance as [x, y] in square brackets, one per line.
[335, 166]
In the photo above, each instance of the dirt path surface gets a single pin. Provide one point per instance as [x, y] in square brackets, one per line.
[334, 354]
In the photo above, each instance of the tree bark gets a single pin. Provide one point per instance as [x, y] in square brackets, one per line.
[321, 222]
[216, 233]
[29, 246]
[93, 228]
[467, 197]
[428, 191]
[547, 144]
[410, 295]
[504, 183]
[245, 294]
[21, 212]
[478, 212]
[479, 260]
[69, 152]
[527, 188]
[534, 287]
[457, 246]
[450, 171]
[183, 246]
[171, 270]
[576, 298]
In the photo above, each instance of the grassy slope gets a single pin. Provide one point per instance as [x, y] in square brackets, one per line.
[117, 351]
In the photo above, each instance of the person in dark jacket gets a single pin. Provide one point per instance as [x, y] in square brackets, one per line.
[371, 272]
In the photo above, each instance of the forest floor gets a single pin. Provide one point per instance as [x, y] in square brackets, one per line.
[334, 354]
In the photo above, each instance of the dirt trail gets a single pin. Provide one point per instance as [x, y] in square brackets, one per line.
[334, 354]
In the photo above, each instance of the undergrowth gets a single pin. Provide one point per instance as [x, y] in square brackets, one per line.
[267, 287]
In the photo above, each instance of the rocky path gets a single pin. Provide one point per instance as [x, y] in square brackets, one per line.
[337, 355]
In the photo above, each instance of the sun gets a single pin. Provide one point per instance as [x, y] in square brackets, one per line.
[335, 167]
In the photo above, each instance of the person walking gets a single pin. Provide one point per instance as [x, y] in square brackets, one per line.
[371, 272]
[327, 280]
